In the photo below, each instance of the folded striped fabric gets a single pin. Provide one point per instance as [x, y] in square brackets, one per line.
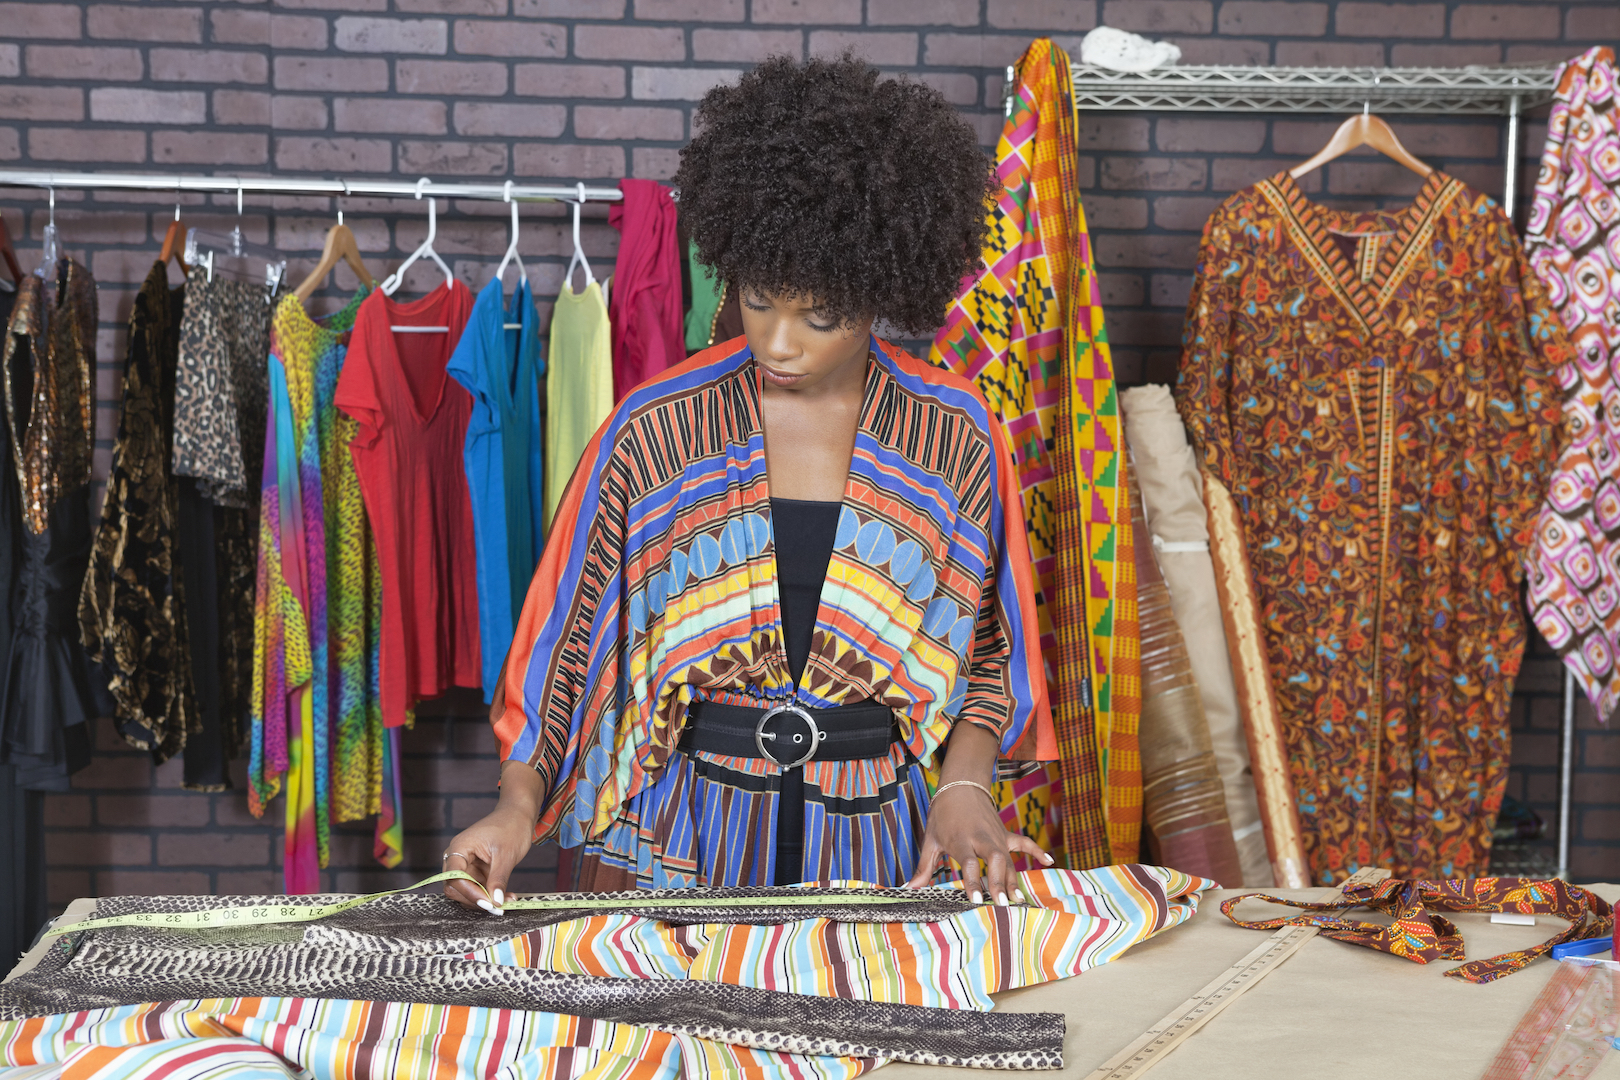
[1076, 920]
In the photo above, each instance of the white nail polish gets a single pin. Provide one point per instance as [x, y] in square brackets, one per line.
[500, 900]
[487, 906]
[978, 897]
[1001, 898]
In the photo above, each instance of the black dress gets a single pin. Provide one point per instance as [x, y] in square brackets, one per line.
[47, 367]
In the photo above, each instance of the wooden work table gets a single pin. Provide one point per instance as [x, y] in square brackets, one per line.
[1331, 1010]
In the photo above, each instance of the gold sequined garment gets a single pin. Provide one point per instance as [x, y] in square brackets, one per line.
[47, 367]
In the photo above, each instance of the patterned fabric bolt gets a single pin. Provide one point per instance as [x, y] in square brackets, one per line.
[659, 587]
[1028, 330]
[1375, 390]
[1076, 921]
[1574, 245]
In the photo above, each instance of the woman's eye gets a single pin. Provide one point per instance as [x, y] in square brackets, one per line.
[827, 328]
[752, 305]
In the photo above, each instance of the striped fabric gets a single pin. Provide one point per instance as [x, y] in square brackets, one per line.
[1077, 921]
[1028, 330]
[658, 587]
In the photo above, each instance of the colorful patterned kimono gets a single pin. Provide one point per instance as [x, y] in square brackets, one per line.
[1375, 390]
[1029, 331]
[658, 587]
[1574, 245]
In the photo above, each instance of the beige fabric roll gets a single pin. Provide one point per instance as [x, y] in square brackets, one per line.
[1173, 496]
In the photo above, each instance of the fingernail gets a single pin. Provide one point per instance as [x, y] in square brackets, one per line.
[978, 897]
[1001, 898]
[486, 905]
[500, 900]
[1018, 894]
[1045, 858]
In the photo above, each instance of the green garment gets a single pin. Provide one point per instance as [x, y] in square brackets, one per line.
[706, 294]
[579, 383]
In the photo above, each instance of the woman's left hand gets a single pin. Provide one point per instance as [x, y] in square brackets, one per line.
[964, 824]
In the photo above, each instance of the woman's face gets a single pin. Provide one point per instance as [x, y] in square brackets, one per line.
[798, 349]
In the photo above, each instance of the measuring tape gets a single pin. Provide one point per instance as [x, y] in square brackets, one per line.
[280, 913]
[1161, 1038]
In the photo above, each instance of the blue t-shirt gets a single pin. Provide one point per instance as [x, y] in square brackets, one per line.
[501, 370]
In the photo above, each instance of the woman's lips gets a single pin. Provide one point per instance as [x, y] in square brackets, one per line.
[779, 378]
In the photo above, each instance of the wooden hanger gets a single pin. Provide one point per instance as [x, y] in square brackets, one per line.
[1364, 130]
[174, 243]
[9, 254]
[340, 244]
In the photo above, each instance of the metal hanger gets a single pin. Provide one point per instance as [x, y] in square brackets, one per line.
[1364, 130]
[340, 246]
[579, 258]
[49, 252]
[512, 254]
[202, 245]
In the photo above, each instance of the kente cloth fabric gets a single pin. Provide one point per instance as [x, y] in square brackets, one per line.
[132, 614]
[501, 369]
[941, 971]
[220, 386]
[51, 690]
[1375, 389]
[579, 384]
[658, 587]
[1573, 241]
[1028, 330]
[645, 308]
[1420, 934]
[411, 432]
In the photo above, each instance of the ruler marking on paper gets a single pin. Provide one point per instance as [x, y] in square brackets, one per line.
[283, 913]
[1182, 1021]
[1565, 1032]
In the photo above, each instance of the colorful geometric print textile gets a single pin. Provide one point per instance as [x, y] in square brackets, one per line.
[1574, 244]
[658, 587]
[1076, 921]
[1028, 330]
[1386, 440]
[1421, 936]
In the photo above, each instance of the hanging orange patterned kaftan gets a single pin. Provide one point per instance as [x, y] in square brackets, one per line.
[1377, 392]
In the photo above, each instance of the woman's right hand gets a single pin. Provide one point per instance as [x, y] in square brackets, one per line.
[493, 846]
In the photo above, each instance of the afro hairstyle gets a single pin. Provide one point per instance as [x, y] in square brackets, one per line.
[822, 179]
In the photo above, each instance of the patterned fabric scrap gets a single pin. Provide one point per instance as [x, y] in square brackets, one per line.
[1028, 330]
[1421, 935]
[658, 587]
[1386, 444]
[865, 976]
[1573, 241]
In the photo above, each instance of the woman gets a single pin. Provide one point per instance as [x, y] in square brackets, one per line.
[791, 572]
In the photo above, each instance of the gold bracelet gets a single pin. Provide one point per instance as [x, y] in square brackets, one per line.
[966, 783]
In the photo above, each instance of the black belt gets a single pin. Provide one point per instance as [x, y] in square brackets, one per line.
[790, 735]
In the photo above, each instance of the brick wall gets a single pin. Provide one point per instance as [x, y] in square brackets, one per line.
[599, 89]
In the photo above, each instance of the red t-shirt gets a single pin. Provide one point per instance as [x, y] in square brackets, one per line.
[408, 452]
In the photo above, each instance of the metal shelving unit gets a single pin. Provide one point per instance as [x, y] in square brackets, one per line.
[1505, 90]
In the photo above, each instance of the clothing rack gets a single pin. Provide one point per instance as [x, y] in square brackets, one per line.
[506, 191]
[1502, 90]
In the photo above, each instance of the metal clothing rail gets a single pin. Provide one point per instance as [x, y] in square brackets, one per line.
[505, 191]
[1502, 90]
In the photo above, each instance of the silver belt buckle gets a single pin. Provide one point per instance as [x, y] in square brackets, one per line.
[760, 735]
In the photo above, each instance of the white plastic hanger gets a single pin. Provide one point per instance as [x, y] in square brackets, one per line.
[512, 254]
[48, 256]
[232, 244]
[391, 285]
[579, 258]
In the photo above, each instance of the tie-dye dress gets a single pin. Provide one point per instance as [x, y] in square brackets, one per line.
[658, 587]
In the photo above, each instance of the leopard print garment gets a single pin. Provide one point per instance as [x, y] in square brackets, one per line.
[221, 389]
[411, 949]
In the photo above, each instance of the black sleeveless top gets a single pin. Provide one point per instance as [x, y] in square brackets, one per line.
[804, 533]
